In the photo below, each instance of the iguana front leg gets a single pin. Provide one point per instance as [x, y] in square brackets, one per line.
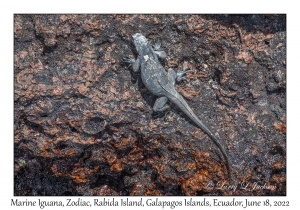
[158, 51]
[132, 62]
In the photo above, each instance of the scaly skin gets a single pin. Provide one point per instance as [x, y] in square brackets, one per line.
[161, 84]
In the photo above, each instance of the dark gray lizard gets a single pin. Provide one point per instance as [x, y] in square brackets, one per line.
[161, 83]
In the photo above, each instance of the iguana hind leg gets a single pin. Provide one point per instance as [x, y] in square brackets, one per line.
[176, 77]
[180, 75]
[160, 104]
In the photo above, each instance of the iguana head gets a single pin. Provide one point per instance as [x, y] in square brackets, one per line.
[139, 40]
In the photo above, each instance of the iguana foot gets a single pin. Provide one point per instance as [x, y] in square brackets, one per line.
[158, 51]
[129, 61]
[156, 46]
[132, 62]
[180, 75]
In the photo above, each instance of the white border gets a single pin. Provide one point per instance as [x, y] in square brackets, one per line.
[153, 6]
